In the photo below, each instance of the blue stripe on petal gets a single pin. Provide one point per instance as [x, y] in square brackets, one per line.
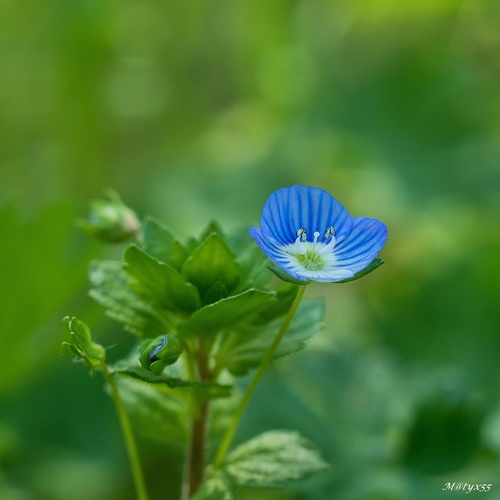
[330, 212]
[365, 241]
[291, 208]
[274, 220]
[273, 249]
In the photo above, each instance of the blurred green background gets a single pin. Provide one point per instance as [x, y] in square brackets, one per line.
[199, 110]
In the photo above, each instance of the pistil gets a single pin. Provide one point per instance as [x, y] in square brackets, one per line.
[312, 255]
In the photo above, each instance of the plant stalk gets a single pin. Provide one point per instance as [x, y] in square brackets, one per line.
[135, 463]
[228, 436]
[195, 460]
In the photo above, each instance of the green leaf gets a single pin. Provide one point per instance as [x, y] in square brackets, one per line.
[231, 312]
[215, 293]
[203, 390]
[81, 345]
[218, 486]
[251, 259]
[212, 227]
[273, 459]
[159, 282]
[367, 270]
[212, 261]
[159, 415]
[160, 244]
[249, 347]
[111, 290]
[285, 295]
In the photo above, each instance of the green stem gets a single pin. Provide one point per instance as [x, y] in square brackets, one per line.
[228, 436]
[196, 450]
[194, 467]
[135, 463]
[220, 358]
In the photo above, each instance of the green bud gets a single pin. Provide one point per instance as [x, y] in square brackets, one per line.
[156, 354]
[81, 345]
[111, 221]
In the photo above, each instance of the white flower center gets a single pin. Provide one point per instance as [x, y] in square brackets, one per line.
[312, 255]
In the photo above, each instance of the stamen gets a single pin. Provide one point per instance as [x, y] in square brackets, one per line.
[301, 237]
[301, 233]
[313, 255]
[330, 232]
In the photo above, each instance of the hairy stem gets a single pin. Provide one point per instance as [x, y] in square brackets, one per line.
[133, 455]
[228, 436]
[195, 460]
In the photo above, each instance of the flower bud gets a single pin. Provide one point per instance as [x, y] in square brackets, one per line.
[81, 345]
[111, 221]
[156, 354]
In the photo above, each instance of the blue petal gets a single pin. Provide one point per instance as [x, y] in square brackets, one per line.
[273, 249]
[362, 245]
[291, 208]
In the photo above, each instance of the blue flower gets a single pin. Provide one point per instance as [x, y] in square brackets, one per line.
[311, 236]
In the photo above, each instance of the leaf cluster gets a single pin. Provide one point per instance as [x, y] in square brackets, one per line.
[200, 309]
[211, 290]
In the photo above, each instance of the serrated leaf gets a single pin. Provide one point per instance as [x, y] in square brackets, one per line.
[160, 244]
[215, 293]
[212, 261]
[218, 486]
[273, 459]
[111, 290]
[285, 295]
[367, 270]
[205, 390]
[159, 282]
[230, 312]
[248, 349]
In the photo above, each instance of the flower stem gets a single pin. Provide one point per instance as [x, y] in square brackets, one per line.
[228, 436]
[195, 459]
[135, 463]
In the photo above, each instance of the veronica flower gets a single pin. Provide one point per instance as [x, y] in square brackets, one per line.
[311, 236]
